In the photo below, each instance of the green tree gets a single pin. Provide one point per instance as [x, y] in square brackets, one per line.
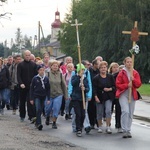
[101, 33]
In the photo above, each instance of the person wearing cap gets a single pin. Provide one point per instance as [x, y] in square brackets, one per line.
[76, 96]
[4, 84]
[39, 90]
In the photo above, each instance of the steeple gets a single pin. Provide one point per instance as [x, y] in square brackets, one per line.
[57, 22]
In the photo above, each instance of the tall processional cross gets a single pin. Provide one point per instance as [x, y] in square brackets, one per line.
[79, 55]
[134, 38]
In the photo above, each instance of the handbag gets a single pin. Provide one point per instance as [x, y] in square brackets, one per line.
[139, 95]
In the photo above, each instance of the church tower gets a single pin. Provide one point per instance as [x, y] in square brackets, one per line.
[55, 27]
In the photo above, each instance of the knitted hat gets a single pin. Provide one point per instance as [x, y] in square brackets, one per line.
[40, 66]
[80, 67]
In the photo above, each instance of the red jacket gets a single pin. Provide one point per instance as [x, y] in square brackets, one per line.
[122, 82]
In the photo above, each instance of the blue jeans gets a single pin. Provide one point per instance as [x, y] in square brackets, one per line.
[3, 98]
[67, 102]
[55, 105]
[39, 104]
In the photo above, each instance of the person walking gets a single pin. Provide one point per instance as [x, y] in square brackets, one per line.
[104, 91]
[57, 90]
[39, 90]
[4, 84]
[76, 97]
[26, 70]
[124, 82]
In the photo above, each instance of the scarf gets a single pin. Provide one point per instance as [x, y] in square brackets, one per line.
[42, 80]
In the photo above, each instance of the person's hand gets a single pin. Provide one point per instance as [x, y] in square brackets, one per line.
[107, 89]
[31, 102]
[82, 88]
[22, 86]
[130, 84]
[97, 100]
[48, 102]
[131, 78]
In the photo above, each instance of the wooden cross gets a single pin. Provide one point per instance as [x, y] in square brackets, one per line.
[134, 37]
[79, 55]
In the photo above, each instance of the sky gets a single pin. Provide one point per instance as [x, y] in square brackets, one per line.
[26, 15]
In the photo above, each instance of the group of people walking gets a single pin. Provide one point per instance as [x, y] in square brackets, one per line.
[86, 92]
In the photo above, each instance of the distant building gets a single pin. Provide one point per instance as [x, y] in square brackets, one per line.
[54, 46]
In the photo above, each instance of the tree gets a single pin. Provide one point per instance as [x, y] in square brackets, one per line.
[101, 33]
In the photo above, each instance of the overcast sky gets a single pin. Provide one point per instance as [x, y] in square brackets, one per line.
[27, 13]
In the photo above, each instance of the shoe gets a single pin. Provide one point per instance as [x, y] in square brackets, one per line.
[21, 119]
[129, 135]
[47, 121]
[14, 112]
[92, 127]
[79, 133]
[62, 113]
[120, 130]
[66, 116]
[8, 107]
[100, 130]
[87, 129]
[40, 126]
[108, 130]
[125, 135]
[54, 126]
[33, 120]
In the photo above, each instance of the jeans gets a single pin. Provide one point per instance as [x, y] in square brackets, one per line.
[3, 98]
[55, 105]
[39, 104]
[67, 102]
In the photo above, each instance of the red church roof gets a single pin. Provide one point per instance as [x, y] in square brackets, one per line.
[57, 22]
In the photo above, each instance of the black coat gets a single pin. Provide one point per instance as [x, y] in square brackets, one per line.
[100, 83]
[4, 78]
[26, 70]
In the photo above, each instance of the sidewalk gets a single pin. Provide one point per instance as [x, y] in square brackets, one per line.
[142, 109]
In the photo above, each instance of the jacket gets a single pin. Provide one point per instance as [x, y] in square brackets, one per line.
[99, 86]
[76, 89]
[4, 78]
[26, 70]
[36, 89]
[122, 82]
[87, 75]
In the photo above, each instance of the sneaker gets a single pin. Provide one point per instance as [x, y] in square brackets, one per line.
[54, 126]
[79, 133]
[21, 119]
[129, 135]
[100, 130]
[47, 121]
[33, 120]
[120, 130]
[108, 130]
[40, 126]
[125, 135]
[87, 129]
[14, 112]
[66, 116]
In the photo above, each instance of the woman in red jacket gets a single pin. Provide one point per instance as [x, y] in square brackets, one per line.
[124, 82]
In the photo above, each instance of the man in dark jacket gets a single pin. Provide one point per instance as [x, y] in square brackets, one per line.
[26, 70]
